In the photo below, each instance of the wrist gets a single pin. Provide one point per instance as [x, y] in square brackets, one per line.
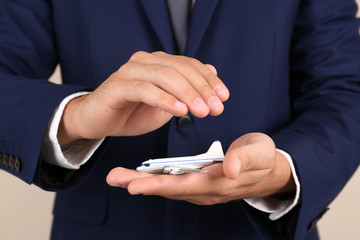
[283, 174]
[279, 183]
[67, 131]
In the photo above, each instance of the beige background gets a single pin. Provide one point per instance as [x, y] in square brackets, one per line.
[25, 211]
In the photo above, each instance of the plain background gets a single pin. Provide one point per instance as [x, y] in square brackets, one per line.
[26, 211]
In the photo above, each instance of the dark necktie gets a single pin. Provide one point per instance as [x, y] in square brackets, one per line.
[180, 18]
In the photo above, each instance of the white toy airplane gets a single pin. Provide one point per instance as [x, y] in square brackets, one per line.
[180, 165]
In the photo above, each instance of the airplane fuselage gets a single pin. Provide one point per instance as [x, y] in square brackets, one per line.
[187, 163]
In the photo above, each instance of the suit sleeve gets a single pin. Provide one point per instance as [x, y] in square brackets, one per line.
[324, 136]
[28, 56]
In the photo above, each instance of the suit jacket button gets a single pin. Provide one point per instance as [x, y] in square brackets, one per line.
[5, 160]
[17, 164]
[184, 120]
[11, 162]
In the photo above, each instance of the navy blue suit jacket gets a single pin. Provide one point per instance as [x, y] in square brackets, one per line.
[293, 70]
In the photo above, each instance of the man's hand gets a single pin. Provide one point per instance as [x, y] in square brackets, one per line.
[251, 168]
[142, 96]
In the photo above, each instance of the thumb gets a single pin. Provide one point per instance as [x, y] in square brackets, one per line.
[234, 163]
[250, 152]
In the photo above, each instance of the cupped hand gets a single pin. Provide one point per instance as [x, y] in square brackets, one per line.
[251, 168]
[142, 96]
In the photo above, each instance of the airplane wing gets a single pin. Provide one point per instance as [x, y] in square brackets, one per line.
[176, 170]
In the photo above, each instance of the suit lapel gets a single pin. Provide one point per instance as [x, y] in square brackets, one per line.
[157, 13]
[200, 19]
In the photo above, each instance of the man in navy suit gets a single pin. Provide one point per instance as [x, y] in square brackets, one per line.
[290, 124]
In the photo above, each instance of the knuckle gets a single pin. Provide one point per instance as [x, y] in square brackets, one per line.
[163, 97]
[212, 68]
[126, 66]
[210, 77]
[138, 55]
[141, 85]
[125, 72]
[205, 88]
[165, 71]
[181, 64]
[192, 61]
[159, 53]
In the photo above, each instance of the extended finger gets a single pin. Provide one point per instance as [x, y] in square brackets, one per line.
[179, 186]
[121, 177]
[169, 185]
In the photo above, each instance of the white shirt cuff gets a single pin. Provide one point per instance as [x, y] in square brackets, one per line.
[73, 155]
[277, 208]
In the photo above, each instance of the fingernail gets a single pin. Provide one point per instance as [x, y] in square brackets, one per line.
[238, 166]
[221, 91]
[215, 102]
[180, 105]
[133, 191]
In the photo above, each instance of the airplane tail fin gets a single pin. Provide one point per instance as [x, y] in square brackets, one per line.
[215, 149]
